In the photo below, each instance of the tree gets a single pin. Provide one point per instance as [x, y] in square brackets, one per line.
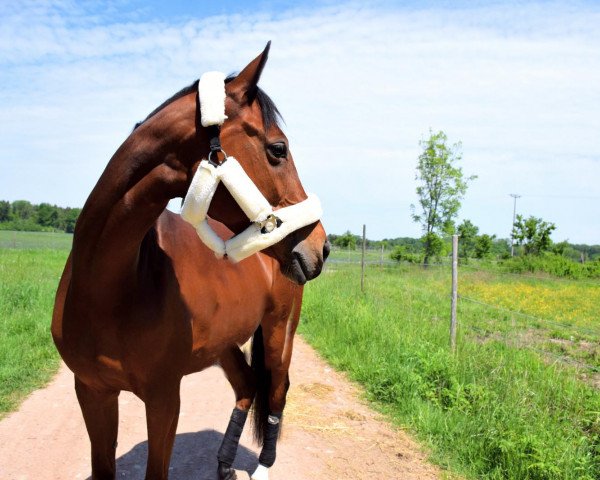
[501, 248]
[22, 209]
[441, 187]
[347, 240]
[533, 233]
[4, 211]
[467, 234]
[483, 245]
[70, 218]
[47, 215]
[433, 245]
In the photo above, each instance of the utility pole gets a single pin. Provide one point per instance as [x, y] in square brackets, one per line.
[512, 235]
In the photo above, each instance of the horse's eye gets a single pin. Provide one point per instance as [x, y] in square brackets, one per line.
[277, 151]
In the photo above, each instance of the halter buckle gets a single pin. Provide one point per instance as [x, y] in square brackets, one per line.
[269, 224]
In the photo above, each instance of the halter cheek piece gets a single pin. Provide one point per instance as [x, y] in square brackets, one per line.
[268, 226]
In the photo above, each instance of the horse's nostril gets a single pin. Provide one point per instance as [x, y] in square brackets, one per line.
[326, 250]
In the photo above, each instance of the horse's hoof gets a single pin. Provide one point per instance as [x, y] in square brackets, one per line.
[261, 473]
[226, 473]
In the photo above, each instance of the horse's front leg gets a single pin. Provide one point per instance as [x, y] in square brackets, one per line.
[278, 337]
[162, 414]
[101, 415]
[277, 397]
[241, 378]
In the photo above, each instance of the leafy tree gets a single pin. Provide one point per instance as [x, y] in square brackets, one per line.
[467, 234]
[47, 215]
[565, 249]
[483, 245]
[347, 240]
[70, 218]
[433, 246]
[441, 187]
[4, 211]
[501, 247]
[22, 210]
[533, 233]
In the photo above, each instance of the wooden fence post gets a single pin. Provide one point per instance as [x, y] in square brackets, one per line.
[454, 292]
[362, 274]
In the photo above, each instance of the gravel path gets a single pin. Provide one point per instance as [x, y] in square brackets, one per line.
[329, 433]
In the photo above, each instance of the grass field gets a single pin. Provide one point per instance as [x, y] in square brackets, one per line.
[35, 240]
[498, 408]
[28, 280]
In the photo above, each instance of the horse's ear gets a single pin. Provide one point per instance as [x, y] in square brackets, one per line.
[243, 88]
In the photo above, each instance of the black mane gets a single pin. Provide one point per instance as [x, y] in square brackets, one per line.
[269, 111]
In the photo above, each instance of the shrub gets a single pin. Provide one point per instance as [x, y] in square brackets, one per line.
[552, 264]
[401, 254]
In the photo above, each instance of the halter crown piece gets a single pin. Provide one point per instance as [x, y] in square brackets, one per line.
[268, 226]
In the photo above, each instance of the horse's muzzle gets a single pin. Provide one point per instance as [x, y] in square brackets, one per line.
[305, 266]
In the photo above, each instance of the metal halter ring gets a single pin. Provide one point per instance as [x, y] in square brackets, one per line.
[269, 224]
[212, 162]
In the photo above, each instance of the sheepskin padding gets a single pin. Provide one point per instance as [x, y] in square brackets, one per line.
[243, 190]
[293, 217]
[253, 203]
[211, 239]
[211, 91]
[198, 197]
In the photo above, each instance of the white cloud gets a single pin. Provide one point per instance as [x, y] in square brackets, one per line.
[358, 88]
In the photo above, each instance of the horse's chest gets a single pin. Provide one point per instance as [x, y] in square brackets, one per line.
[220, 324]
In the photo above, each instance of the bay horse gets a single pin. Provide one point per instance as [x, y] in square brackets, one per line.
[143, 302]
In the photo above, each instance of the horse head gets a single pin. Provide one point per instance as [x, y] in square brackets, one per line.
[251, 134]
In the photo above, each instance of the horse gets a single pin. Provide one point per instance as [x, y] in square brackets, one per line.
[142, 301]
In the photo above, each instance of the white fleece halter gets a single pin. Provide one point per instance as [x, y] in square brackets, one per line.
[268, 226]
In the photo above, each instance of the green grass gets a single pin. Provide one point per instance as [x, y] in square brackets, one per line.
[493, 410]
[35, 240]
[28, 358]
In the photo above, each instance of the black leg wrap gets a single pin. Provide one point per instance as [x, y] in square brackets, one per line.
[231, 439]
[226, 473]
[267, 455]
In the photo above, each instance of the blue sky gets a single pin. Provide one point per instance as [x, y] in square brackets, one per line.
[358, 83]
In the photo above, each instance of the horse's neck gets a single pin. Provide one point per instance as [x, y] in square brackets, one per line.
[113, 223]
[143, 175]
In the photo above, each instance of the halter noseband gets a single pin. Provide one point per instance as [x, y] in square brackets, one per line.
[268, 226]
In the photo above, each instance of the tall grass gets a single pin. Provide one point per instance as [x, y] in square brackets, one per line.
[552, 264]
[490, 411]
[28, 281]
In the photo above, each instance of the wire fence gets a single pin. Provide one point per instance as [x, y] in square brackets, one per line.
[495, 267]
[518, 334]
[529, 276]
[563, 359]
[544, 321]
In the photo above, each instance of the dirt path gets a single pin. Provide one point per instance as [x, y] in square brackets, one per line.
[328, 433]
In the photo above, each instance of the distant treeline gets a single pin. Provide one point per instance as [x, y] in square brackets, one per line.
[25, 216]
[499, 247]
